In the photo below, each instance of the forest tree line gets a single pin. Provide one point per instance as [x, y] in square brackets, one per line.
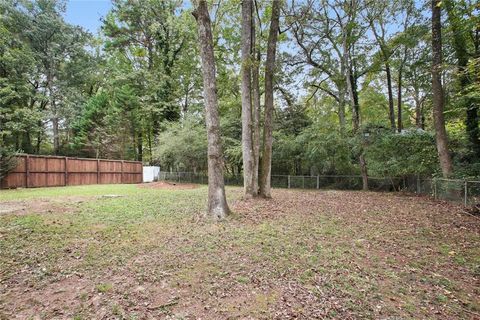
[352, 87]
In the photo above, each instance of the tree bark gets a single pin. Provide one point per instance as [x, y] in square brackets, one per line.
[139, 145]
[341, 109]
[437, 90]
[256, 110]
[247, 61]
[56, 137]
[53, 106]
[399, 101]
[418, 112]
[364, 172]
[217, 201]
[265, 187]
[352, 89]
[353, 92]
[391, 108]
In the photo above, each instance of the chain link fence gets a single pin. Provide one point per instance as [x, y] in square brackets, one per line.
[462, 191]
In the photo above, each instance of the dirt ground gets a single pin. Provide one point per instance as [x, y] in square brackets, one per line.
[300, 255]
[168, 185]
[64, 204]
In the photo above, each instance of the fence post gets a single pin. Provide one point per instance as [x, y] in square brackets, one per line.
[303, 182]
[318, 182]
[466, 193]
[27, 171]
[121, 173]
[66, 171]
[435, 188]
[288, 181]
[98, 171]
[418, 184]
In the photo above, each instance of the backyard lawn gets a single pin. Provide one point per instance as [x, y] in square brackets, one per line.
[147, 252]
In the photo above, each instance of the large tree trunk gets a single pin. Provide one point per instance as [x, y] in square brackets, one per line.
[265, 187]
[353, 93]
[217, 202]
[437, 90]
[256, 111]
[391, 110]
[247, 61]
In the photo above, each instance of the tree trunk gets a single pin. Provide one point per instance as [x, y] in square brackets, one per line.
[418, 112]
[399, 101]
[351, 83]
[342, 92]
[56, 138]
[217, 201]
[391, 110]
[53, 106]
[247, 61]
[437, 90]
[265, 187]
[352, 88]
[256, 111]
[39, 137]
[364, 172]
[341, 110]
[139, 146]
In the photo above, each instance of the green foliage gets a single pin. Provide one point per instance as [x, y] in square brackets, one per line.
[182, 146]
[399, 154]
[328, 151]
[8, 161]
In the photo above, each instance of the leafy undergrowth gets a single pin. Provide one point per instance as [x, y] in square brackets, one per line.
[146, 253]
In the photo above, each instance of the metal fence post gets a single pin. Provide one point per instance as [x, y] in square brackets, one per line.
[318, 182]
[435, 188]
[466, 193]
[303, 182]
[418, 184]
[288, 181]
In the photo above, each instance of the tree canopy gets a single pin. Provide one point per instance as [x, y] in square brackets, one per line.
[352, 85]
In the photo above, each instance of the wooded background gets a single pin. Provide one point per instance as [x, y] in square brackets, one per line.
[353, 81]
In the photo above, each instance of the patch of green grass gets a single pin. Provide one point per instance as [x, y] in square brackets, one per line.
[85, 190]
[242, 279]
[104, 287]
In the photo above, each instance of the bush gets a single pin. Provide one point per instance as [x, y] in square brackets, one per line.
[182, 146]
[8, 161]
[400, 154]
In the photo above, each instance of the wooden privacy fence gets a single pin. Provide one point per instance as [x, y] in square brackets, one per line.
[48, 171]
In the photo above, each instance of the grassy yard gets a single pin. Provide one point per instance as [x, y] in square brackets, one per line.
[130, 252]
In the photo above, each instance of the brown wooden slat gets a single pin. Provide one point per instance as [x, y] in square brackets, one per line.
[44, 171]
